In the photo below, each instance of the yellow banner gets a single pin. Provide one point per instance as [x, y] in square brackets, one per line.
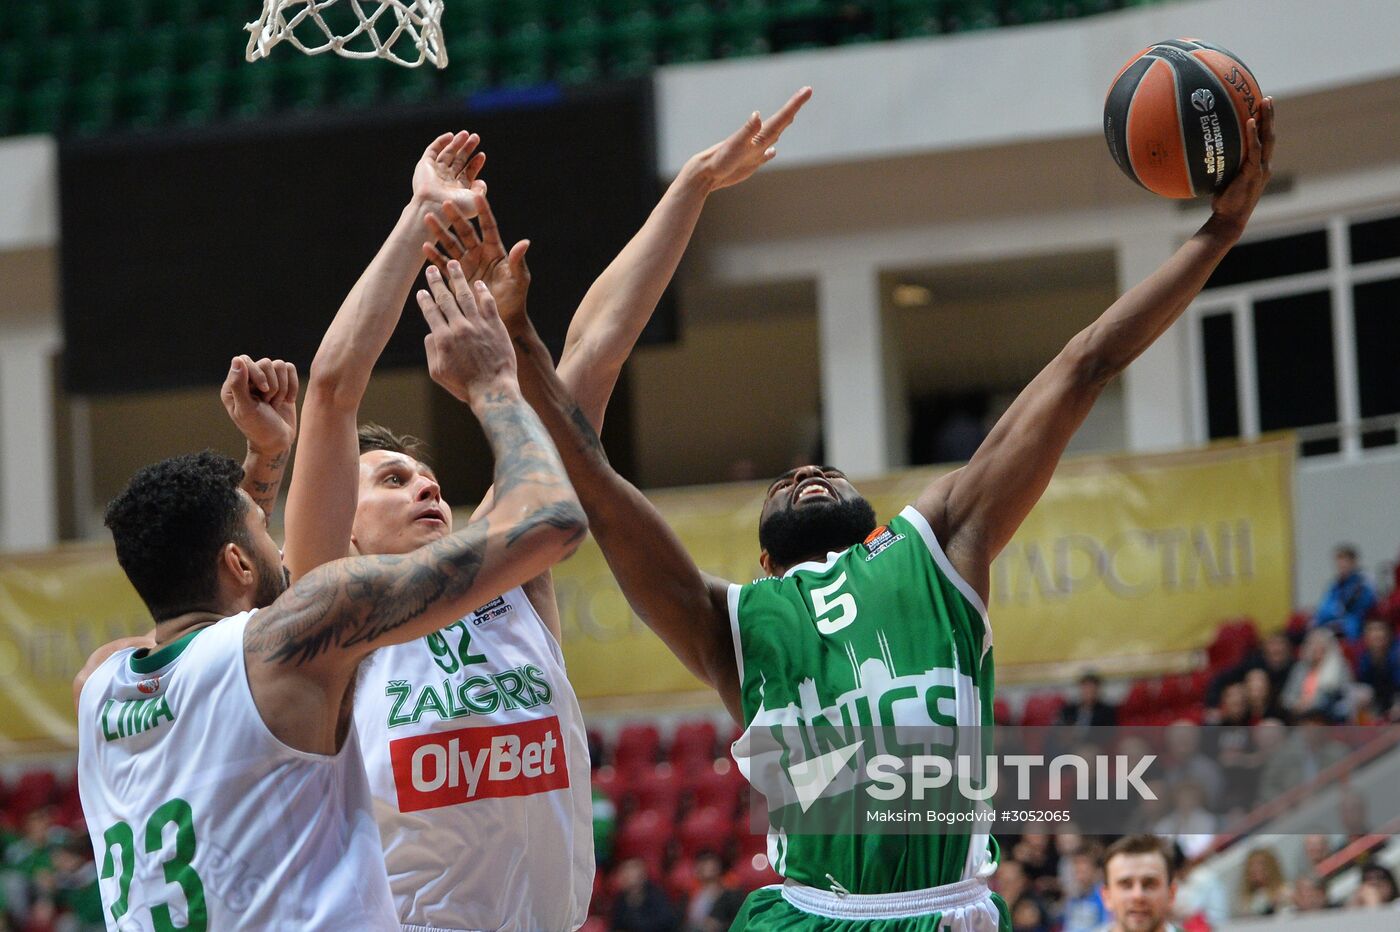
[1126, 562]
[55, 610]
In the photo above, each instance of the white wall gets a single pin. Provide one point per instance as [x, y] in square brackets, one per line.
[1356, 503]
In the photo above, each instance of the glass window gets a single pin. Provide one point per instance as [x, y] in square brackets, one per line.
[1272, 258]
[1377, 309]
[1222, 388]
[1293, 359]
[1375, 239]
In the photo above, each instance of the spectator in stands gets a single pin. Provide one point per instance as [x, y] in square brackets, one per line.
[1349, 599]
[1379, 669]
[1309, 895]
[1139, 886]
[1231, 744]
[1030, 916]
[1263, 889]
[1011, 882]
[1184, 761]
[641, 906]
[1084, 909]
[1261, 699]
[1090, 710]
[1274, 657]
[75, 889]
[1316, 848]
[604, 826]
[29, 856]
[1320, 679]
[709, 891]
[1390, 608]
[1035, 855]
[1189, 823]
[1377, 888]
[1307, 752]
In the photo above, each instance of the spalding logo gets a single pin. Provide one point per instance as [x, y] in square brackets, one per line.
[1203, 100]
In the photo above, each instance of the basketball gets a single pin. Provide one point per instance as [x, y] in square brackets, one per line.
[1176, 114]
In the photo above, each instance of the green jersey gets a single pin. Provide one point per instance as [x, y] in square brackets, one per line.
[885, 638]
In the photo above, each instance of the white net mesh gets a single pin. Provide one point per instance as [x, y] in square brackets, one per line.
[406, 32]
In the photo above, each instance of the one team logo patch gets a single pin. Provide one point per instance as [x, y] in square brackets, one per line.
[491, 611]
[880, 540]
[149, 685]
[446, 768]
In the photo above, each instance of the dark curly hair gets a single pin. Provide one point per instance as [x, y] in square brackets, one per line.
[169, 524]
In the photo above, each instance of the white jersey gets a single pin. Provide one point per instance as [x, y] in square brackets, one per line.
[478, 762]
[201, 819]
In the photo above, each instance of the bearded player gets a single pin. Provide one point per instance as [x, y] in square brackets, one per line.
[888, 619]
[473, 737]
[220, 774]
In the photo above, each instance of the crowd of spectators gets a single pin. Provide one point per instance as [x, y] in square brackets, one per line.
[48, 881]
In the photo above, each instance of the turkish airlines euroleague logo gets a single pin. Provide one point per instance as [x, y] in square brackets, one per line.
[450, 767]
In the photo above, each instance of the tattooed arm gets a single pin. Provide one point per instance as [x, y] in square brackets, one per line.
[261, 400]
[687, 608]
[303, 650]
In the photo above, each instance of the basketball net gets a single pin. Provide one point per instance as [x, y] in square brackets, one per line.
[379, 27]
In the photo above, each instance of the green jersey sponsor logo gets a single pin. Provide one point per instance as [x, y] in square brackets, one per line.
[522, 687]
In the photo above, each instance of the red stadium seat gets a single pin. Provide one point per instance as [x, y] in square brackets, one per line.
[1042, 709]
[614, 785]
[637, 747]
[750, 873]
[1001, 711]
[658, 788]
[1233, 642]
[720, 786]
[693, 745]
[644, 835]
[706, 830]
[680, 880]
[36, 788]
[1141, 701]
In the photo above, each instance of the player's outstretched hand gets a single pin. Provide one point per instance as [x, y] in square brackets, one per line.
[469, 351]
[261, 400]
[1233, 206]
[447, 173]
[749, 147]
[483, 255]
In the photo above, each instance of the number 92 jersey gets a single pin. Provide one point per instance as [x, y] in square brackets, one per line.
[884, 635]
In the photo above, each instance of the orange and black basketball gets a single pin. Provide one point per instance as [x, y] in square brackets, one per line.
[1176, 115]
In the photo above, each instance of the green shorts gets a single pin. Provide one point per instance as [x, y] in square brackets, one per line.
[767, 909]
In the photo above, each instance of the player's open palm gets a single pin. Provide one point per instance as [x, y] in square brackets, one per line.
[261, 400]
[1236, 202]
[469, 351]
[482, 254]
[751, 145]
[447, 172]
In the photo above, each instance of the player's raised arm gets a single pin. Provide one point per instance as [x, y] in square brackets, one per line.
[321, 501]
[975, 510]
[303, 650]
[618, 305]
[261, 400]
[686, 608]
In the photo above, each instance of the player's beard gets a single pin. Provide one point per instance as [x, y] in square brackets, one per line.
[791, 534]
[272, 582]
